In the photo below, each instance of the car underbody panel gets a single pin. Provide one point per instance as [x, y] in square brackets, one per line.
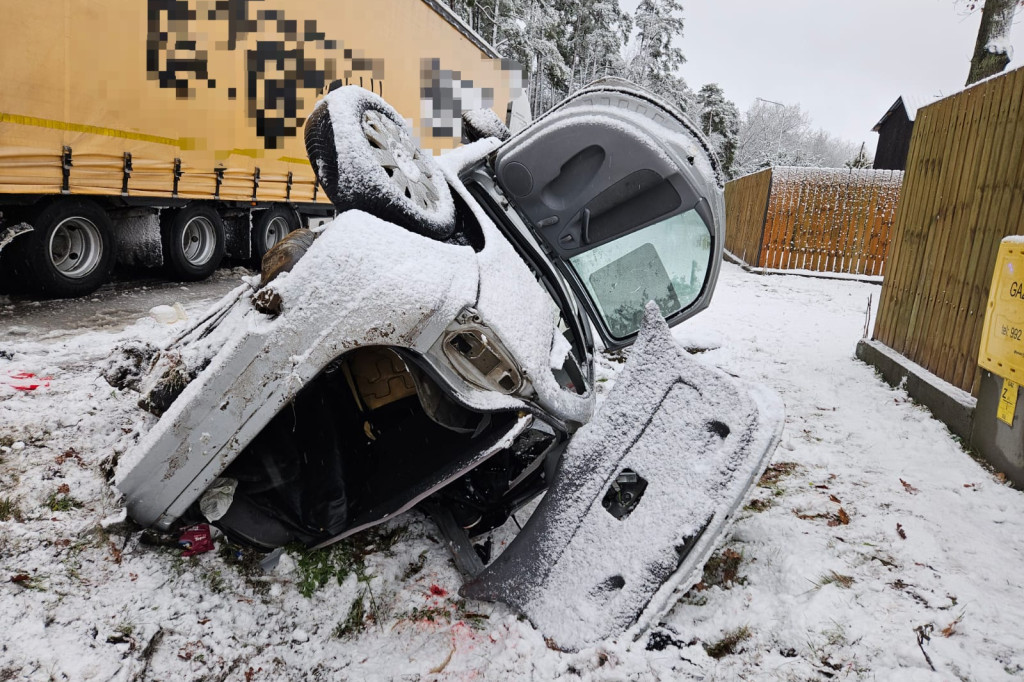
[643, 493]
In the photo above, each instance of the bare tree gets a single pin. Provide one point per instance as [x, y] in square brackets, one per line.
[990, 50]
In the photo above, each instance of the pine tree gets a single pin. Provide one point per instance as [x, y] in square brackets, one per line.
[720, 121]
[592, 39]
[656, 59]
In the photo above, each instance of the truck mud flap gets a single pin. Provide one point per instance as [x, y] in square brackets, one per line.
[640, 499]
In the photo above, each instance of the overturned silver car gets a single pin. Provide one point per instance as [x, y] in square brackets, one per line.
[434, 346]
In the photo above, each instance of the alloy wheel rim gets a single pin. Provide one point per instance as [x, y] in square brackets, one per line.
[402, 160]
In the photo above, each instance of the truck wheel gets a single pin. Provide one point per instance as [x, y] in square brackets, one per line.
[70, 251]
[270, 227]
[365, 158]
[193, 242]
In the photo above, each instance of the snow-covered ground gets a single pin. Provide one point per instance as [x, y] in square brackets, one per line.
[875, 548]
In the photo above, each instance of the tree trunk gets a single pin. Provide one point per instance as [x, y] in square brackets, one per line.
[494, 27]
[996, 19]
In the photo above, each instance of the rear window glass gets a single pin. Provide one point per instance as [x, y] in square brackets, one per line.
[666, 262]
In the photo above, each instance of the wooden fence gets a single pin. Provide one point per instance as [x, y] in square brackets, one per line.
[963, 193]
[821, 219]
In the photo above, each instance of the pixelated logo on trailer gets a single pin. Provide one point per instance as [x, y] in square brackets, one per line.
[286, 60]
[445, 95]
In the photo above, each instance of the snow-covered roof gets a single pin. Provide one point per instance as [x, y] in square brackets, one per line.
[910, 102]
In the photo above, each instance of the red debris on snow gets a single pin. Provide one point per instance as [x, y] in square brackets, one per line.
[438, 591]
[196, 539]
[22, 381]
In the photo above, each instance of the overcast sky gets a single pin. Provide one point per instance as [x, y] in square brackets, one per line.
[843, 61]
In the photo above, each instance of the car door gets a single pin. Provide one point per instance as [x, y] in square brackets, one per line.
[625, 198]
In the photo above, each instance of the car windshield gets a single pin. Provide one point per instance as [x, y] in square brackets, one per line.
[666, 262]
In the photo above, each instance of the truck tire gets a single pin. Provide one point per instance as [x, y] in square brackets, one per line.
[70, 251]
[270, 227]
[364, 157]
[193, 242]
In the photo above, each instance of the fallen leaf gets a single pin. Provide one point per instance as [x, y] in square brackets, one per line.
[834, 499]
[20, 578]
[821, 487]
[63, 489]
[899, 529]
[909, 488]
[969, 485]
[950, 629]
[841, 518]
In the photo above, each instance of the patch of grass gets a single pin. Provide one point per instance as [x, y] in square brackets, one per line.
[833, 578]
[727, 645]
[760, 504]
[772, 477]
[29, 582]
[415, 567]
[58, 502]
[9, 510]
[7, 441]
[722, 569]
[432, 614]
[354, 622]
[317, 567]
[215, 580]
[775, 472]
[475, 619]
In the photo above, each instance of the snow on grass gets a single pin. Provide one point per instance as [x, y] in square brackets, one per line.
[872, 537]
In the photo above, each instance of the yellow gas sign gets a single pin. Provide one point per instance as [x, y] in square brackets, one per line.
[1002, 340]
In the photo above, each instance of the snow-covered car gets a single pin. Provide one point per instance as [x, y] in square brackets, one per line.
[433, 345]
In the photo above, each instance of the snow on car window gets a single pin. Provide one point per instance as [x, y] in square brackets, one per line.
[666, 262]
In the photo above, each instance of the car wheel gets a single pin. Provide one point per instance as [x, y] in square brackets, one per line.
[270, 227]
[193, 242]
[365, 158]
[70, 250]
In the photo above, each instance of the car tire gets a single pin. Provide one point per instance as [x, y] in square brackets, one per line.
[193, 242]
[269, 228]
[364, 157]
[69, 252]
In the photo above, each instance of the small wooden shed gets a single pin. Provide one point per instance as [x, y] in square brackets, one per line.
[894, 130]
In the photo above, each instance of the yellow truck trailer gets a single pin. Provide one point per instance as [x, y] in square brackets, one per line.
[186, 116]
